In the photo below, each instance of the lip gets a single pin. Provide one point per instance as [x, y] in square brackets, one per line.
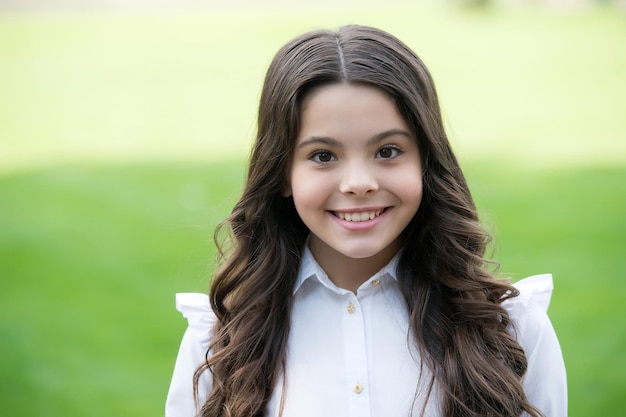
[361, 225]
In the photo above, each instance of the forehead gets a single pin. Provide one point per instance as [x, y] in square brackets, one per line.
[347, 109]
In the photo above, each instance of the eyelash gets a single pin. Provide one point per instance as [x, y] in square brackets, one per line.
[315, 156]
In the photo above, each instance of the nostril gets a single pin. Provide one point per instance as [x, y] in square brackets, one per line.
[360, 186]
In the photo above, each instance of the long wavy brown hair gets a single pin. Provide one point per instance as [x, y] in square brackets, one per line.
[455, 304]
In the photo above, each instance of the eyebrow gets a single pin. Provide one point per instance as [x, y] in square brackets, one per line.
[373, 140]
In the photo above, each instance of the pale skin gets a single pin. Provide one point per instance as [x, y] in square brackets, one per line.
[355, 178]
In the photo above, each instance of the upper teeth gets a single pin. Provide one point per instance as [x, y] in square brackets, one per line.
[358, 217]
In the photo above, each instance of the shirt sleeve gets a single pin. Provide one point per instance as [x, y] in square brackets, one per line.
[545, 382]
[191, 354]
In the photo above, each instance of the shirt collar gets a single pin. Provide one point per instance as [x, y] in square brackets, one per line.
[310, 269]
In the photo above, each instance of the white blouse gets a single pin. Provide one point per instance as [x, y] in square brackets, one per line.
[349, 355]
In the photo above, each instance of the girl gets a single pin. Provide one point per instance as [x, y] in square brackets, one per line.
[355, 283]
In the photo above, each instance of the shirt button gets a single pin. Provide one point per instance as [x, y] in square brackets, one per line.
[351, 308]
[376, 283]
[358, 388]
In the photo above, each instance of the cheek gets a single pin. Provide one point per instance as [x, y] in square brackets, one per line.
[417, 194]
[415, 189]
[409, 184]
[308, 195]
[307, 189]
[411, 195]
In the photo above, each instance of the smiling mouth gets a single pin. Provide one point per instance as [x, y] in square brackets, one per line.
[361, 216]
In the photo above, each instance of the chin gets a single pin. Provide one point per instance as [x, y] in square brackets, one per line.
[362, 252]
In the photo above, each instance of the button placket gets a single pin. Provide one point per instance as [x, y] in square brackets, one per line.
[356, 357]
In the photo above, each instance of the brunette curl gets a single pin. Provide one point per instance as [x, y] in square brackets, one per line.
[457, 320]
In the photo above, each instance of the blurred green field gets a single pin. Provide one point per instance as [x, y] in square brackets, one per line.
[123, 138]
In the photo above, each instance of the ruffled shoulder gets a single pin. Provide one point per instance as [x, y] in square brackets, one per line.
[196, 308]
[545, 381]
[529, 310]
[536, 291]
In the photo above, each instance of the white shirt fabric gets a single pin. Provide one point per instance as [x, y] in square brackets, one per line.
[349, 355]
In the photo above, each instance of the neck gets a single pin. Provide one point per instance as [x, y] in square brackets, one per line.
[346, 272]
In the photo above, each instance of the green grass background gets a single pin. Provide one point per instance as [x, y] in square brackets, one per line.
[123, 138]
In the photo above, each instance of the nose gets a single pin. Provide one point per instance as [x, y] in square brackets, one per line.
[359, 179]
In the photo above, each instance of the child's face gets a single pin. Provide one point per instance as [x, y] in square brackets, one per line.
[356, 175]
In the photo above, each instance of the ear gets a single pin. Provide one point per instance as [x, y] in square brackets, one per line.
[286, 190]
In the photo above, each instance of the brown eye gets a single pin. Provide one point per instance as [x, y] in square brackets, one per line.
[322, 157]
[385, 153]
[388, 152]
